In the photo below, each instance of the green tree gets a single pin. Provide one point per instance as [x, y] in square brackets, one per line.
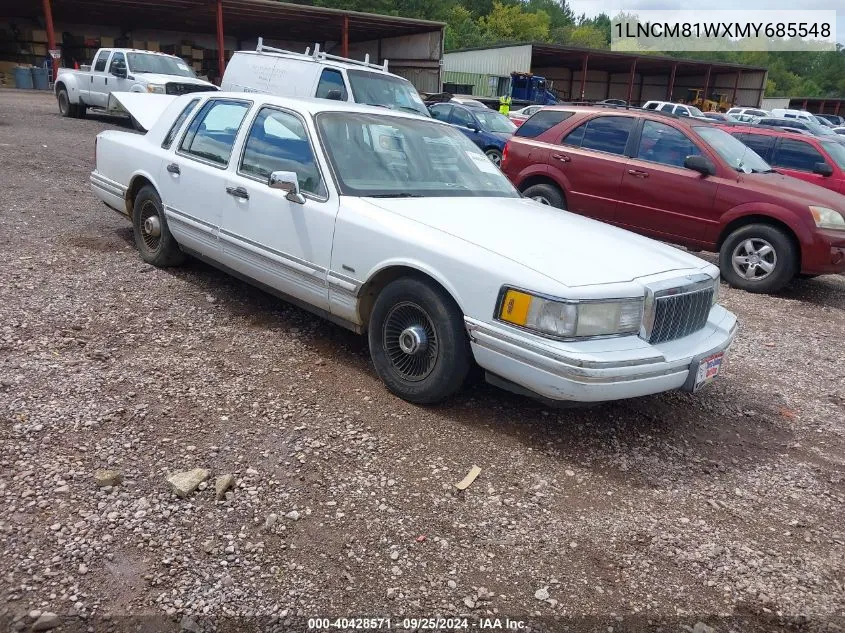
[559, 13]
[462, 31]
[509, 23]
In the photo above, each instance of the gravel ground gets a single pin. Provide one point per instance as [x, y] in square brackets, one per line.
[679, 510]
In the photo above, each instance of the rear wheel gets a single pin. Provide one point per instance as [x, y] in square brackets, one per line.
[546, 194]
[758, 258]
[418, 341]
[152, 237]
[65, 106]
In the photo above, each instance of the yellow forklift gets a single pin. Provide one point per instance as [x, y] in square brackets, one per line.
[717, 102]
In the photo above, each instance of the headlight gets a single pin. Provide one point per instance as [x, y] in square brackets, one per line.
[828, 218]
[156, 88]
[566, 319]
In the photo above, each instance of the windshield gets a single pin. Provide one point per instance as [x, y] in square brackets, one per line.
[379, 89]
[158, 64]
[836, 150]
[397, 157]
[494, 122]
[818, 129]
[739, 156]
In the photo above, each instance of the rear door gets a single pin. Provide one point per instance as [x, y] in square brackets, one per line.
[763, 145]
[590, 161]
[98, 83]
[659, 196]
[798, 158]
[466, 123]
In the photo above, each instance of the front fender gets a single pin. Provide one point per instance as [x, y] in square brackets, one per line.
[802, 231]
[419, 266]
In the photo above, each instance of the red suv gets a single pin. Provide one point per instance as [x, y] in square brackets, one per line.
[684, 181]
[816, 159]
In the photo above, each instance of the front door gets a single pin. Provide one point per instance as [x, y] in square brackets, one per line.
[283, 244]
[117, 65]
[467, 124]
[193, 177]
[661, 197]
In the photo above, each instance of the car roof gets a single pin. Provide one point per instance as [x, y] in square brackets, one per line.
[637, 112]
[307, 105]
[325, 62]
[771, 131]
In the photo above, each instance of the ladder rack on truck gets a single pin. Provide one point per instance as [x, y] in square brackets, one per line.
[319, 55]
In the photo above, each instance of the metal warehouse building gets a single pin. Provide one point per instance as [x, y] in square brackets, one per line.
[205, 32]
[581, 74]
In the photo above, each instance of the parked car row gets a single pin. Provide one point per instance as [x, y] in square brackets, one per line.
[688, 181]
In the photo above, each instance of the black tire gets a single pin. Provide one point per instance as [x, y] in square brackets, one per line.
[440, 365]
[770, 270]
[66, 108]
[546, 194]
[494, 155]
[154, 240]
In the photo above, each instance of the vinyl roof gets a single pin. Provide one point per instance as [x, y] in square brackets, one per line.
[241, 18]
[559, 55]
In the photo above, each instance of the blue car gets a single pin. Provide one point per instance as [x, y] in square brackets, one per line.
[484, 127]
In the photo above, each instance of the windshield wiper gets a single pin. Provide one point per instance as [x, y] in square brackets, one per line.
[401, 194]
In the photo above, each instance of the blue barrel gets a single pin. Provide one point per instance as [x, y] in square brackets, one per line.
[23, 78]
[40, 78]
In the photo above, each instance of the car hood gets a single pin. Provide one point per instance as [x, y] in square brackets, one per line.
[565, 247]
[797, 191]
[155, 78]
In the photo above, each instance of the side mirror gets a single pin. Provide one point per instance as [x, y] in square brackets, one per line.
[823, 169]
[334, 95]
[701, 164]
[119, 71]
[288, 182]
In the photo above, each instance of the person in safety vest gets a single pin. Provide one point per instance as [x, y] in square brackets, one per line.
[505, 105]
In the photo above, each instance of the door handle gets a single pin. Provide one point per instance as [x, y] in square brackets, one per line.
[561, 157]
[173, 168]
[238, 192]
[636, 173]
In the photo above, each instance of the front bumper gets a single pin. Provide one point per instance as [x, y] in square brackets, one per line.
[595, 370]
[826, 254]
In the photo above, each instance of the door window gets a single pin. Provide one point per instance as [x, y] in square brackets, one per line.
[100, 64]
[212, 133]
[441, 111]
[177, 124]
[278, 141]
[331, 80]
[461, 117]
[542, 122]
[667, 107]
[603, 134]
[681, 111]
[117, 61]
[762, 145]
[798, 155]
[661, 143]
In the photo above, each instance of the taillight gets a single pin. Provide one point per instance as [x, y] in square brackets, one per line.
[505, 154]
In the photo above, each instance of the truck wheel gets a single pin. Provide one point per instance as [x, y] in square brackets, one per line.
[152, 237]
[418, 341]
[65, 106]
[546, 194]
[758, 258]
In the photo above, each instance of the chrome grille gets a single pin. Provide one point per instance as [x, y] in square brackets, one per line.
[678, 315]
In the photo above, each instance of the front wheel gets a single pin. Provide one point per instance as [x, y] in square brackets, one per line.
[758, 258]
[152, 237]
[418, 342]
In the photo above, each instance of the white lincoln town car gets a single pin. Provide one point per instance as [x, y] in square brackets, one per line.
[398, 226]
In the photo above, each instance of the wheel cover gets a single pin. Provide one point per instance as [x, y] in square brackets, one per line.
[542, 200]
[494, 157]
[64, 103]
[754, 259]
[150, 222]
[410, 341]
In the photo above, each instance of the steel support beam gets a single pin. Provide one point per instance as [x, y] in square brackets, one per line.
[584, 76]
[221, 55]
[631, 80]
[736, 86]
[51, 35]
[671, 87]
[344, 38]
[706, 83]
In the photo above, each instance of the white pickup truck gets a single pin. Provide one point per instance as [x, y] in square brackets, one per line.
[124, 70]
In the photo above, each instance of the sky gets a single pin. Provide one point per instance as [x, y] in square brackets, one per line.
[594, 7]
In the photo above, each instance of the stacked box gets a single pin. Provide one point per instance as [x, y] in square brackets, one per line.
[153, 45]
[106, 42]
[197, 66]
[196, 53]
[39, 49]
[186, 50]
[35, 35]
